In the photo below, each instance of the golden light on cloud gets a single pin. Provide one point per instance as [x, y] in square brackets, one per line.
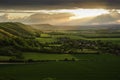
[58, 16]
[17, 15]
[118, 21]
[82, 13]
[78, 13]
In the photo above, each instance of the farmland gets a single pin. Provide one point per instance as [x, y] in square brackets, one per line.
[100, 67]
[87, 65]
[58, 55]
[53, 42]
[44, 56]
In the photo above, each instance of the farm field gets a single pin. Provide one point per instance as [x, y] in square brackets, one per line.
[4, 57]
[75, 37]
[48, 38]
[100, 67]
[114, 38]
[44, 40]
[44, 56]
[61, 55]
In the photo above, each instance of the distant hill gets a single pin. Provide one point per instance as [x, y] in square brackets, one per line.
[8, 29]
[98, 27]
[44, 26]
[76, 27]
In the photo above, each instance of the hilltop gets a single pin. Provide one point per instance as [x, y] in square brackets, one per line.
[8, 29]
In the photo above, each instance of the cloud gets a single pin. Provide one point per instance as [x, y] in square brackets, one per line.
[7, 18]
[55, 18]
[36, 4]
[112, 18]
[59, 18]
[36, 18]
[4, 18]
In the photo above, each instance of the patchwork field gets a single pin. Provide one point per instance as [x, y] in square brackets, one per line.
[76, 55]
[114, 38]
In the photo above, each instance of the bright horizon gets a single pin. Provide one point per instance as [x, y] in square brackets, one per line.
[77, 13]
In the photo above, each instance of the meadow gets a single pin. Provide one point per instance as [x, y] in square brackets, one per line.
[96, 67]
[87, 65]
[51, 37]
[84, 35]
[45, 56]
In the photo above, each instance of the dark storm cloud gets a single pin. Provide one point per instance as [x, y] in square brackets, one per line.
[48, 4]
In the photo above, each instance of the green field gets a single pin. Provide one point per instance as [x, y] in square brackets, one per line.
[59, 55]
[4, 57]
[77, 35]
[98, 67]
[45, 40]
[44, 56]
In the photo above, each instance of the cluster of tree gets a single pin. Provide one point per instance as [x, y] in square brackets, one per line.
[15, 46]
[68, 46]
[108, 47]
[100, 36]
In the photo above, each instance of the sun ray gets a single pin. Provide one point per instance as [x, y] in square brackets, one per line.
[82, 13]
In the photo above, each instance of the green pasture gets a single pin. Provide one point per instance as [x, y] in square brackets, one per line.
[44, 56]
[95, 67]
[46, 40]
[4, 58]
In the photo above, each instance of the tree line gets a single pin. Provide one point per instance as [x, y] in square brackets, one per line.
[63, 45]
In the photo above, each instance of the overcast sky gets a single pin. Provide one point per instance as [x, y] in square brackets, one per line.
[60, 11]
[51, 4]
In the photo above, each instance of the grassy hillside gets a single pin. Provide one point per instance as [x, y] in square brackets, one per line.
[4, 33]
[15, 29]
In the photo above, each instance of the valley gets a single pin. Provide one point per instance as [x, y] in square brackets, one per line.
[58, 54]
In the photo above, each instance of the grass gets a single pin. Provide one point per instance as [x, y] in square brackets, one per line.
[98, 57]
[16, 29]
[43, 56]
[101, 34]
[102, 67]
[45, 35]
[4, 58]
[44, 40]
[90, 66]
[107, 39]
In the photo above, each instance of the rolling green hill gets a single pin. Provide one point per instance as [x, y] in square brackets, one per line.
[8, 29]
[4, 33]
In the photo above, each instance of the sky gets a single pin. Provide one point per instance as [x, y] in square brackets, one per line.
[60, 12]
[59, 4]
